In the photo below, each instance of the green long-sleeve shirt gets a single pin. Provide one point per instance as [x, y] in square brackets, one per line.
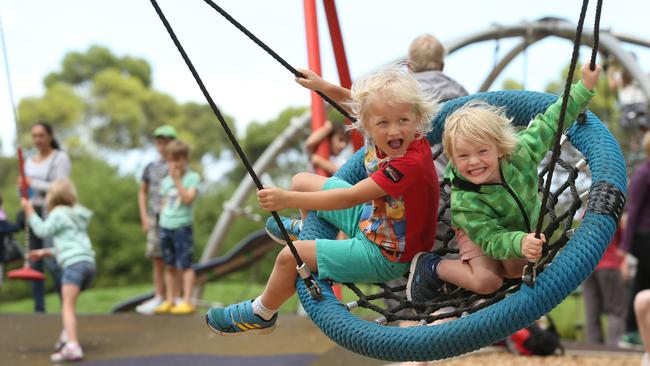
[497, 216]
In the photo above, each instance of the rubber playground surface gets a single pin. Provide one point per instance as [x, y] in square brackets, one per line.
[132, 339]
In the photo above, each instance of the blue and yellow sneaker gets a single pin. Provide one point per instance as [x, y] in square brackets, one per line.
[423, 283]
[238, 318]
[292, 226]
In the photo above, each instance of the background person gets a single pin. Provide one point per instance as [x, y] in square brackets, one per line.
[67, 225]
[47, 165]
[636, 238]
[149, 203]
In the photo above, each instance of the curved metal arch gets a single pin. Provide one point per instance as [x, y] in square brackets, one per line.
[609, 42]
[297, 126]
[506, 60]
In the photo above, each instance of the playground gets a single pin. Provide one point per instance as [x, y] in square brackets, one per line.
[216, 225]
[130, 339]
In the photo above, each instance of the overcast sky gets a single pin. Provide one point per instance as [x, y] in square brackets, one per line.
[250, 85]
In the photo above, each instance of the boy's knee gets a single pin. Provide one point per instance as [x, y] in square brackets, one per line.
[299, 181]
[285, 258]
[488, 284]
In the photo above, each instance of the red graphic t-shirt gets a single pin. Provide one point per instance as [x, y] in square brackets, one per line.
[402, 223]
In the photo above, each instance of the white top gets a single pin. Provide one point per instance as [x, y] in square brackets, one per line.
[343, 156]
[43, 173]
[629, 94]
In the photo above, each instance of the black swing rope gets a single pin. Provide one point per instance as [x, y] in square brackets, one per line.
[529, 271]
[277, 57]
[302, 268]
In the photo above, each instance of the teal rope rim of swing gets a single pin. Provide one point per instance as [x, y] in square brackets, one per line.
[581, 254]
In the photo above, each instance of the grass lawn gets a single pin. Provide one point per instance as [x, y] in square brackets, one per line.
[568, 316]
[101, 300]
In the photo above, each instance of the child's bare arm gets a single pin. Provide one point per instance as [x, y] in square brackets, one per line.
[187, 195]
[317, 136]
[36, 254]
[320, 162]
[275, 199]
[142, 205]
[314, 82]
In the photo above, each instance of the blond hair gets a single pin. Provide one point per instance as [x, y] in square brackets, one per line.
[177, 149]
[426, 53]
[479, 122]
[394, 85]
[646, 143]
[62, 192]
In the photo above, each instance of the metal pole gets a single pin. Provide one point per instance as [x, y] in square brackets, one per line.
[341, 58]
[313, 56]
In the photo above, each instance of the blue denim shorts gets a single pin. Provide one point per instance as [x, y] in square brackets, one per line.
[177, 246]
[80, 274]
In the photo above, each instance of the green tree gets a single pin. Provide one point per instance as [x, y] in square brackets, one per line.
[107, 102]
[511, 84]
[259, 135]
[200, 128]
[604, 105]
[60, 106]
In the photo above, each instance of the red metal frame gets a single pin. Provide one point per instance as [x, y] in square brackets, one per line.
[341, 58]
[313, 56]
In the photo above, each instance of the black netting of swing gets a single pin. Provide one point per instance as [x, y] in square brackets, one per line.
[389, 300]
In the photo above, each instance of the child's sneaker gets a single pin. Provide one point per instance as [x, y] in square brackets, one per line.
[69, 352]
[182, 309]
[63, 339]
[148, 307]
[292, 226]
[423, 283]
[238, 318]
[631, 340]
[164, 308]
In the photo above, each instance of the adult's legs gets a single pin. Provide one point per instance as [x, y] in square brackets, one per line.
[642, 309]
[38, 287]
[640, 282]
[641, 279]
[593, 299]
[613, 302]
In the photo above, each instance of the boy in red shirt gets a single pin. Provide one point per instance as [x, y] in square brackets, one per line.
[389, 216]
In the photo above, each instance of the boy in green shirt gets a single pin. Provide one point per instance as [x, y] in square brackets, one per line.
[178, 191]
[494, 199]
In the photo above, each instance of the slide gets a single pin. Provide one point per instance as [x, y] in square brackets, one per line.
[250, 250]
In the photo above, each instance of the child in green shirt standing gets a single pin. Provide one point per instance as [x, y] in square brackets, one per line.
[178, 191]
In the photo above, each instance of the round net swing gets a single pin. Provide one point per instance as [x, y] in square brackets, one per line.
[569, 258]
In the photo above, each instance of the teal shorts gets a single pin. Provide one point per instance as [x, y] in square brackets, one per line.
[356, 259]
